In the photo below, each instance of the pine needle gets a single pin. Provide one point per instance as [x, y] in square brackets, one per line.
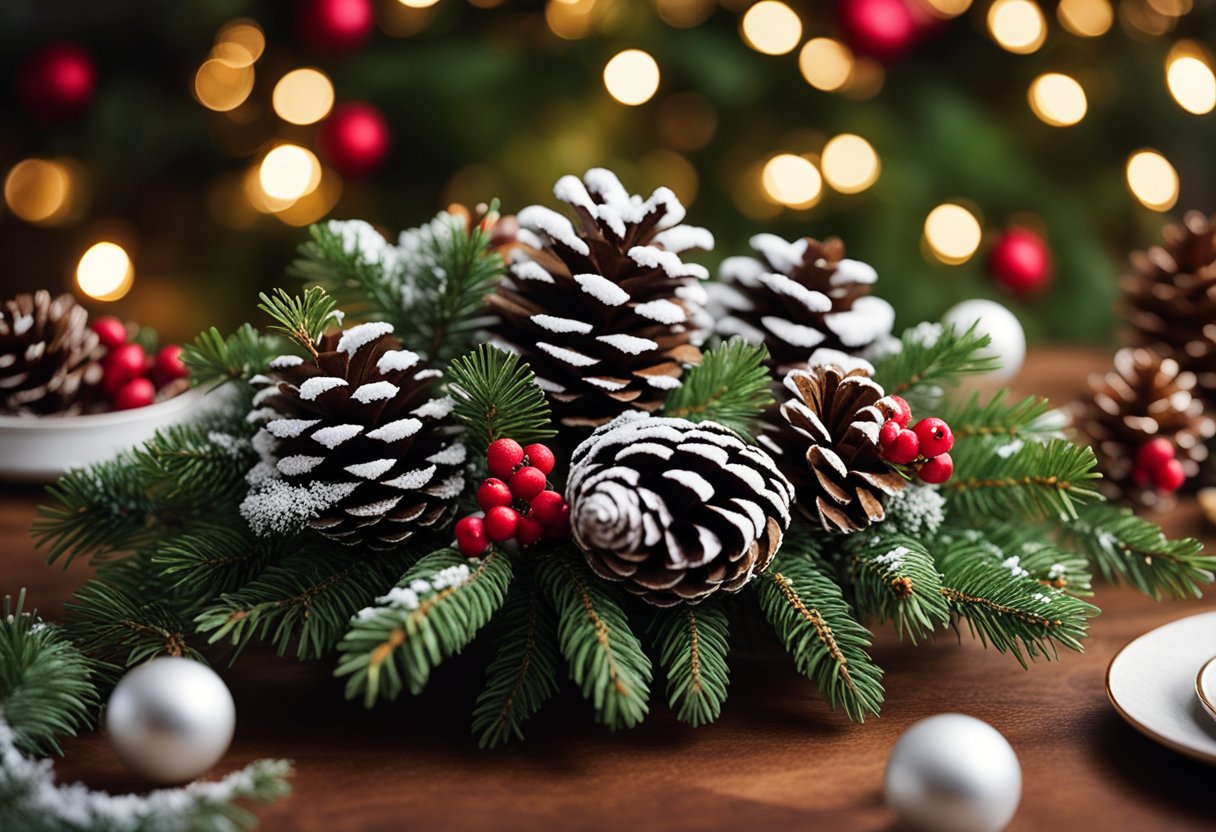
[732, 386]
[496, 397]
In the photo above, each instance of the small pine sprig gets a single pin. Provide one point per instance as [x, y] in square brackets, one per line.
[1039, 480]
[214, 360]
[367, 285]
[1029, 418]
[214, 557]
[496, 396]
[731, 386]
[895, 579]
[120, 620]
[436, 609]
[923, 367]
[304, 318]
[46, 684]
[605, 658]
[692, 643]
[202, 461]
[1037, 553]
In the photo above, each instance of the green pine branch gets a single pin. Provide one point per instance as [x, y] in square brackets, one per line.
[605, 658]
[118, 619]
[523, 673]
[497, 396]
[692, 643]
[922, 367]
[1039, 480]
[732, 386]
[214, 557]
[214, 360]
[1037, 553]
[200, 462]
[366, 288]
[304, 318]
[438, 607]
[1031, 417]
[895, 579]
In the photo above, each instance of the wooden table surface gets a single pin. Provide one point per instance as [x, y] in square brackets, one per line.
[777, 758]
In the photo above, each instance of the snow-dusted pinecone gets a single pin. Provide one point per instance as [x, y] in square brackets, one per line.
[801, 296]
[356, 445]
[676, 510]
[606, 314]
[48, 355]
[825, 441]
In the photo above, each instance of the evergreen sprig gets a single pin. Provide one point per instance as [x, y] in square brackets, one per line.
[118, 620]
[1039, 480]
[924, 366]
[202, 461]
[363, 285]
[895, 579]
[497, 396]
[731, 386]
[214, 360]
[214, 557]
[302, 318]
[1031, 417]
[692, 643]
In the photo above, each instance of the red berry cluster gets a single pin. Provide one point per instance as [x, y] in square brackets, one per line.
[924, 447]
[130, 377]
[516, 499]
[1157, 466]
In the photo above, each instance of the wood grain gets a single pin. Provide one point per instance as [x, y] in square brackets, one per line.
[777, 759]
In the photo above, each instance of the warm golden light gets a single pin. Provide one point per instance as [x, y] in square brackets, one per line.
[952, 233]
[1190, 79]
[418, 4]
[685, 13]
[303, 96]
[38, 190]
[1086, 18]
[850, 164]
[632, 77]
[289, 172]
[246, 34]
[948, 8]
[791, 180]
[1057, 99]
[771, 27]
[105, 272]
[571, 20]
[221, 85]
[826, 64]
[1152, 180]
[1017, 25]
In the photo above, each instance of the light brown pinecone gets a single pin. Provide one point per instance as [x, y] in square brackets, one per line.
[356, 445]
[1170, 298]
[825, 440]
[1144, 397]
[802, 296]
[48, 355]
[675, 510]
[605, 312]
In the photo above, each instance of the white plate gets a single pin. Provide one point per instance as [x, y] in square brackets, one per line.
[40, 449]
[1151, 683]
[1205, 686]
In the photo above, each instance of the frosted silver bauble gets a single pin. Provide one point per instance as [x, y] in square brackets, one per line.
[999, 324]
[170, 720]
[953, 773]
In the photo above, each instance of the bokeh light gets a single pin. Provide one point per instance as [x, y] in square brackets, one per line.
[948, 8]
[38, 191]
[632, 77]
[952, 233]
[1152, 180]
[571, 20]
[418, 4]
[288, 172]
[1190, 79]
[303, 96]
[771, 27]
[850, 164]
[826, 64]
[105, 272]
[665, 167]
[246, 34]
[791, 180]
[222, 85]
[1017, 25]
[685, 13]
[1057, 99]
[1086, 18]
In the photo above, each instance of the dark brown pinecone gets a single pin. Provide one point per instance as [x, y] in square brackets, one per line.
[356, 445]
[676, 510]
[1144, 397]
[825, 440]
[48, 355]
[1170, 298]
[606, 314]
[802, 296]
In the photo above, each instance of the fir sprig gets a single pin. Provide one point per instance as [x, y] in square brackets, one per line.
[692, 643]
[731, 386]
[302, 318]
[1039, 480]
[1031, 417]
[497, 396]
[214, 360]
[924, 366]
[117, 622]
[895, 579]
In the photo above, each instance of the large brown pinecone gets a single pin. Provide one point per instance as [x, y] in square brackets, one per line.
[1144, 397]
[802, 296]
[676, 510]
[606, 314]
[1170, 298]
[48, 355]
[825, 440]
[356, 445]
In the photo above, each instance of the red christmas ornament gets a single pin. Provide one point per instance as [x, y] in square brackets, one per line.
[335, 27]
[138, 392]
[354, 139]
[502, 456]
[110, 332]
[58, 81]
[1020, 261]
[881, 29]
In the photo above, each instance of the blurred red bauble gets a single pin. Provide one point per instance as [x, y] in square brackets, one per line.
[1020, 261]
[881, 29]
[335, 27]
[354, 139]
[58, 81]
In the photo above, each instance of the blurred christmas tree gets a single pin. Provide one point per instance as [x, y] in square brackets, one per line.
[199, 137]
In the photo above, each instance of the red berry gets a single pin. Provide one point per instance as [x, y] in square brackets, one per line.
[138, 392]
[887, 433]
[110, 332]
[1141, 477]
[547, 508]
[529, 531]
[561, 529]
[904, 449]
[120, 366]
[1169, 476]
[501, 523]
[493, 492]
[527, 482]
[1154, 453]
[471, 536]
[539, 456]
[169, 365]
[903, 411]
[937, 470]
[935, 436]
[502, 456]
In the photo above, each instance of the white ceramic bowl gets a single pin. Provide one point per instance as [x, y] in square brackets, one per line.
[40, 449]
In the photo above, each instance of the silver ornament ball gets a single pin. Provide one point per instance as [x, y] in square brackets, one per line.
[999, 324]
[170, 720]
[953, 773]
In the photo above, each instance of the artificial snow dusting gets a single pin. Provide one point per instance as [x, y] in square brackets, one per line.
[684, 237]
[371, 470]
[531, 270]
[1056, 571]
[412, 480]
[791, 333]
[692, 480]
[663, 311]
[602, 289]
[277, 507]
[298, 464]
[395, 431]
[782, 285]
[784, 256]
[1014, 565]
[434, 409]
[335, 435]
[630, 344]
[853, 271]
[606, 383]
[552, 224]
[290, 428]
[314, 387]
[285, 361]
[917, 510]
[357, 337]
[869, 319]
[454, 454]
[376, 509]
[361, 239]
[375, 391]
[396, 361]
[575, 359]
[1009, 448]
[893, 560]
[552, 323]
[650, 257]
[836, 358]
